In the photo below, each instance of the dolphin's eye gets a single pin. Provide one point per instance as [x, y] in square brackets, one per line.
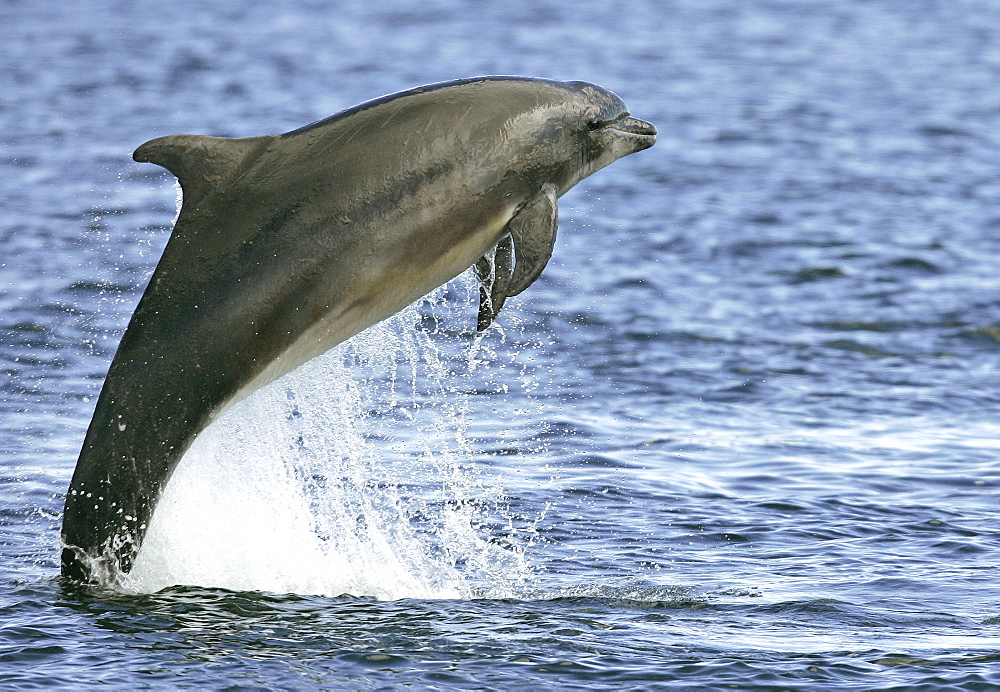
[602, 123]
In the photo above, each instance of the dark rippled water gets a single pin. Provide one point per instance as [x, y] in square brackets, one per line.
[742, 432]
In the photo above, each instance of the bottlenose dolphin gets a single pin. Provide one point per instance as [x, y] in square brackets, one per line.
[287, 245]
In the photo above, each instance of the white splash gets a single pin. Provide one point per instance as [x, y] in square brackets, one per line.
[350, 475]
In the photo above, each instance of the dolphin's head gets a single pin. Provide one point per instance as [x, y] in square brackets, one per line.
[608, 130]
[588, 127]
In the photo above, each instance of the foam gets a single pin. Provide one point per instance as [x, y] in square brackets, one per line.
[349, 475]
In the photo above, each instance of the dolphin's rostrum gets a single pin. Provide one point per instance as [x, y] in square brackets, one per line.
[287, 245]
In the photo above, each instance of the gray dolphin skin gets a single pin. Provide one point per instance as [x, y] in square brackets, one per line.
[287, 245]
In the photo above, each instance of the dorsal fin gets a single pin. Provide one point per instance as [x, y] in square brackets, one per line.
[200, 163]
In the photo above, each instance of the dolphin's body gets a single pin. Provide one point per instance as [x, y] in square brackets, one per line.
[287, 245]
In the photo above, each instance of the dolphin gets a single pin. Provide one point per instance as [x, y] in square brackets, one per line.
[287, 245]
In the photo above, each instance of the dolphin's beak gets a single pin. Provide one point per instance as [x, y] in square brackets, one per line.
[634, 126]
[640, 134]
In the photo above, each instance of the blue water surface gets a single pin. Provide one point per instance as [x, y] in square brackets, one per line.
[742, 432]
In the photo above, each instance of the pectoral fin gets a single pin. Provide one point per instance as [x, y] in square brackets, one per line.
[533, 229]
[494, 270]
[519, 257]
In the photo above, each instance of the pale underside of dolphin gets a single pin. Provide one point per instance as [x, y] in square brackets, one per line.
[287, 245]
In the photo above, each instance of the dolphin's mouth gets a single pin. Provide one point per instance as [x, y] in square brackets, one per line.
[634, 126]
